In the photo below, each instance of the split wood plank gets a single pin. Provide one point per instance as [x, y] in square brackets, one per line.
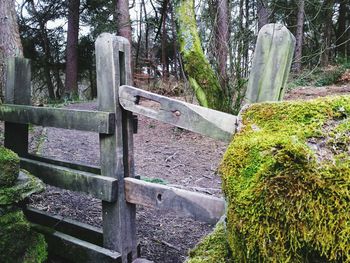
[212, 123]
[201, 207]
[101, 187]
[17, 91]
[67, 226]
[85, 120]
[71, 248]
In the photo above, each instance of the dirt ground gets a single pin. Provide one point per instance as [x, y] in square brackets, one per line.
[179, 158]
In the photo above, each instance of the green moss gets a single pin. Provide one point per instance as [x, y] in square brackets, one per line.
[213, 248]
[288, 202]
[9, 167]
[18, 243]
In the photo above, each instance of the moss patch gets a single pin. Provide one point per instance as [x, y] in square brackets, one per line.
[18, 243]
[213, 248]
[9, 167]
[286, 177]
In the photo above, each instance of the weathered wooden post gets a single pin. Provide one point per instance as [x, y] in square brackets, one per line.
[271, 64]
[17, 91]
[114, 70]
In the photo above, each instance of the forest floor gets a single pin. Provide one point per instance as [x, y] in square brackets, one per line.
[177, 157]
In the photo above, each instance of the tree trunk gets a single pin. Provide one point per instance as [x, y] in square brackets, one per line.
[202, 78]
[72, 49]
[327, 31]
[263, 13]
[221, 40]
[164, 37]
[10, 42]
[123, 19]
[299, 36]
[342, 30]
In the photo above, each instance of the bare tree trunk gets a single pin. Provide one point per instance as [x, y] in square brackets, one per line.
[164, 37]
[342, 30]
[123, 19]
[72, 49]
[299, 37]
[10, 42]
[327, 31]
[175, 50]
[221, 41]
[263, 13]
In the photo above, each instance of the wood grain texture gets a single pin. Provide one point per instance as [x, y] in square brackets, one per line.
[195, 118]
[201, 207]
[67, 226]
[271, 64]
[71, 248]
[94, 121]
[113, 69]
[17, 91]
[101, 187]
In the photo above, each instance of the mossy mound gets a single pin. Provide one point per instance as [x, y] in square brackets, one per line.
[9, 167]
[18, 243]
[286, 178]
[213, 248]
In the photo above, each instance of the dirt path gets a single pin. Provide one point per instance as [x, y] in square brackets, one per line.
[163, 152]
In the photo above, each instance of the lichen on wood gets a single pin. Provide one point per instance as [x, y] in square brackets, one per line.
[203, 79]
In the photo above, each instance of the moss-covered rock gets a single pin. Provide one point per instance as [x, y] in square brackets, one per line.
[213, 248]
[9, 167]
[18, 243]
[286, 178]
[25, 186]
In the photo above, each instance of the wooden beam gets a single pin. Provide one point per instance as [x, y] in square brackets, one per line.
[67, 226]
[212, 123]
[85, 120]
[17, 91]
[76, 250]
[101, 187]
[198, 206]
[76, 166]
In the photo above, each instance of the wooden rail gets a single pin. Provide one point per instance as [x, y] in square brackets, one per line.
[212, 123]
[94, 121]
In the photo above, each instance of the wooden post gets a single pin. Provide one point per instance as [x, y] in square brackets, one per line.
[271, 64]
[17, 91]
[114, 70]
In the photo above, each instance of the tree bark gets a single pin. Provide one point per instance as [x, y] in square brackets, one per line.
[342, 30]
[327, 31]
[263, 13]
[221, 40]
[202, 78]
[72, 49]
[164, 37]
[10, 42]
[299, 36]
[123, 19]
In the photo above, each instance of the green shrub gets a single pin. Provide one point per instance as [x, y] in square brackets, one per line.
[9, 167]
[286, 178]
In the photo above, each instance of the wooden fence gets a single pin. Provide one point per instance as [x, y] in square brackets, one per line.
[114, 182]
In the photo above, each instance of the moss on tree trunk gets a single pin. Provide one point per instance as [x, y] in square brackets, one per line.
[203, 79]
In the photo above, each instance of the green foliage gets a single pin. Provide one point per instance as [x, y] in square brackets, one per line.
[213, 248]
[9, 167]
[288, 202]
[18, 243]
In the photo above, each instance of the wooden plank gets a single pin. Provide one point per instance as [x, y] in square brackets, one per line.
[212, 123]
[271, 64]
[17, 91]
[113, 69]
[76, 250]
[75, 166]
[201, 207]
[85, 120]
[67, 226]
[101, 187]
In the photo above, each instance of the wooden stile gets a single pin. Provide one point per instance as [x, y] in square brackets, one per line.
[113, 70]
